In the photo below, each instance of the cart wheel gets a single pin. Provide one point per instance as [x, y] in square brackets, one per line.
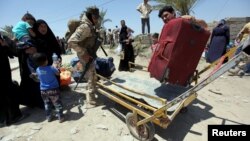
[184, 110]
[143, 132]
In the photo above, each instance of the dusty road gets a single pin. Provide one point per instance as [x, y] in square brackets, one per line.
[224, 101]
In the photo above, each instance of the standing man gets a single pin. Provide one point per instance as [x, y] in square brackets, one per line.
[116, 34]
[83, 41]
[145, 9]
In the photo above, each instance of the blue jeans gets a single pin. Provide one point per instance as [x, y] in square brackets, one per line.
[145, 21]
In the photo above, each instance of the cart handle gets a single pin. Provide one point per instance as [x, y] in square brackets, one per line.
[158, 113]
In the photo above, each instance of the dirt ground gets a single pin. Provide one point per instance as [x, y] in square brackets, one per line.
[224, 101]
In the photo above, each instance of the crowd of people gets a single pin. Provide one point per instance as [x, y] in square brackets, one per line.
[110, 37]
[36, 43]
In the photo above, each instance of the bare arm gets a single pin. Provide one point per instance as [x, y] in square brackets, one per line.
[243, 31]
[32, 33]
[151, 9]
[139, 8]
[131, 30]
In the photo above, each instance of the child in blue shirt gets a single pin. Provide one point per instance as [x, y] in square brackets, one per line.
[49, 86]
[23, 31]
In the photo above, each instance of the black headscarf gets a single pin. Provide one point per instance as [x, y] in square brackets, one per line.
[47, 43]
[221, 23]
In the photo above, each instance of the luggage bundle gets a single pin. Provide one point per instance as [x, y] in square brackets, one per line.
[181, 45]
[104, 67]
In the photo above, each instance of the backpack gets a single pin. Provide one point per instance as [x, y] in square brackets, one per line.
[72, 26]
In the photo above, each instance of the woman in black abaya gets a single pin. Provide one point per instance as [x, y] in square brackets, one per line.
[46, 40]
[9, 107]
[219, 40]
[127, 48]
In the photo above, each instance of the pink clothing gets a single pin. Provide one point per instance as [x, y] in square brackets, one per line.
[154, 47]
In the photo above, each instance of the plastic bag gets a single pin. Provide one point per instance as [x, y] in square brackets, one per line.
[122, 55]
[118, 49]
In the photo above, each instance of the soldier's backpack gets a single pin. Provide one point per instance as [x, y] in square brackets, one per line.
[72, 25]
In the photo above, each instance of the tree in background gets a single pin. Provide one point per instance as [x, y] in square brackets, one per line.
[183, 6]
[7, 31]
[103, 20]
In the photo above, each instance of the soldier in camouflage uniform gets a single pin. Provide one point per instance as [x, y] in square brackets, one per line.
[83, 42]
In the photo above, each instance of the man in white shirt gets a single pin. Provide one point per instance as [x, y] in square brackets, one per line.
[145, 9]
[116, 34]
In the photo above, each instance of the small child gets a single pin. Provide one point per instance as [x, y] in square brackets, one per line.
[23, 33]
[155, 41]
[49, 86]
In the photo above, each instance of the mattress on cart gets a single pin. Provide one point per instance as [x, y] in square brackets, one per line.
[144, 84]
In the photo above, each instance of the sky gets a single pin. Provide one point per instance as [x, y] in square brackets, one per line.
[57, 13]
